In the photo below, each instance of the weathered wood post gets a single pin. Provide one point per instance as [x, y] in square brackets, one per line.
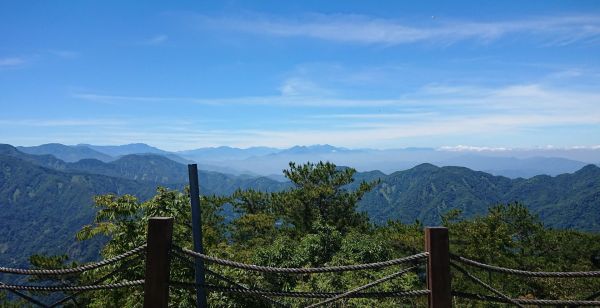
[197, 235]
[438, 267]
[158, 263]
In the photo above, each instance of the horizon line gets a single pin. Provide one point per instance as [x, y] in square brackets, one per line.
[444, 148]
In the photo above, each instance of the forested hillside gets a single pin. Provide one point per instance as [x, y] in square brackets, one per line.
[50, 194]
[66, 153]
[315, 223]
[41, 209]
[44, 200]
[426, 192]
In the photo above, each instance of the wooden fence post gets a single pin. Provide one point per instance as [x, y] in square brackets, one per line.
[438, 267]
[158, 263]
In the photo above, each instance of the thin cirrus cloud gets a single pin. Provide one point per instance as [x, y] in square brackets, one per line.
[275, 100]
[434, 110]
[467, 148]
[456, 126]
[155, 40]
[552, 30]
[519, 98]
[61, 122]
[65, 54]
[9, 62]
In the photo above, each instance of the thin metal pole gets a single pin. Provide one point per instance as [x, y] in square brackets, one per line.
[438, 267]
[197, 235]
[158, 263]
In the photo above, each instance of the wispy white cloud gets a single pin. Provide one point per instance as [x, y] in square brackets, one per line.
[467, 148]
[188, 135]
[276, 100]
[155, 40]
[551, 30]
[101, 98]
[61, 122]
[396, 132]
[302, 87]
[519, 98]
[433, 111]
[22, 61]
[11, 62]
[65, 54]
[377, 116]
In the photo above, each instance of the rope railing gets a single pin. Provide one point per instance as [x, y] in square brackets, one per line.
[537, 302]
[435, 255]
[25, 297]
[191, 264]
[73, 270]
[65, 288]
[296, 294]
[121, 267]
[363, 287]
[78, 289]
[511, 271]
[502, 298]
[302, 270]
[485, 285]
[330, 297]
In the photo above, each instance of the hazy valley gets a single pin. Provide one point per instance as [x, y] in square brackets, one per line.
[51, 187]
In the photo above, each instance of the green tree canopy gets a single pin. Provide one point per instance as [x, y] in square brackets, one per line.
[315, 223]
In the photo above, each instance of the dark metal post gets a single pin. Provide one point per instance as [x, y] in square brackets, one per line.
[197, 234]
[158, 263]
[438, 267]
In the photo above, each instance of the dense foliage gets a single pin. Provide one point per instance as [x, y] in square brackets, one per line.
[37, 190]
[316, 223]
[41, 209]
[426, 192]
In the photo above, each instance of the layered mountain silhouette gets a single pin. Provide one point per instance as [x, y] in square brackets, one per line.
[426, 192]
[45, 200]
[268, 161]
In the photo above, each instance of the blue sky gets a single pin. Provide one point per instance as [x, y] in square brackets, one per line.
[279, 73]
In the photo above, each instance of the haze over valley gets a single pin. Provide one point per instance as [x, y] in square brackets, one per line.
[325, 134]
[269, 161]
[39, 184]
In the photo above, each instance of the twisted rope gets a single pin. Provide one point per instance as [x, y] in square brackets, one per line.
[121, 267]
[485, 285]
[121, 284]
[294, 294]
[545, 302]
[303, 270]
[191, 264]
[79, 269]
[26, 297]
[363, 287]
[522, 272]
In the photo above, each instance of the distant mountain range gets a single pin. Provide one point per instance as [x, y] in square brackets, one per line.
[426, 192]
[45, 200]
[41, 208]
[268, 161]
[65, 152]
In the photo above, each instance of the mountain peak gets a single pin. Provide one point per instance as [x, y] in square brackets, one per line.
[7, 149]
[425, 167]
[317, 148]
[589, 169]
[63, 152]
